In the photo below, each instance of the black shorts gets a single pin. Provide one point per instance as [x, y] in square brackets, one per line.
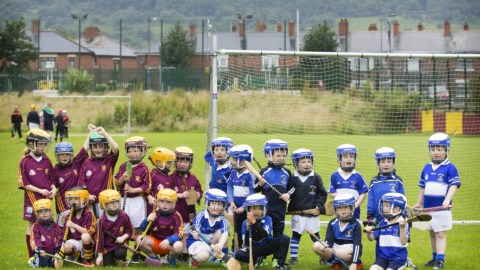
[385, 264]
[48, 127]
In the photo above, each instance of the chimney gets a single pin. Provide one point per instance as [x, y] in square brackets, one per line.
[396, 31]
[261, 26]
[35, 26]
[240, 31]
[465, 27]
[291, 28]
[420, 26]
[234, 28]
[91, 32]
[447, 28]
[372, 27]
[193, 29]
[341, 27]
[279, 27]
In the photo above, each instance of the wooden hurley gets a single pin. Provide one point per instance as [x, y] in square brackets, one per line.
[411, 212]
[229, 217]
[417, 218]
[66, 260]
[191, 200]
[328, 211]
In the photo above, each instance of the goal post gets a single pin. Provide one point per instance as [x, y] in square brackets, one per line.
[321, 100]
[127, 133]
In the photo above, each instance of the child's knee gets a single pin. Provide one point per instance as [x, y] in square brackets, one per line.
[441, 235]
[317, 247]
[284, 238]
[86, 238]
[177, 247]
[202, 256]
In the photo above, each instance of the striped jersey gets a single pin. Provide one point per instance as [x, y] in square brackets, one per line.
[354, 184]
[437, 183]
[240, 186]
[350, 235]
[388, 245]
[266, 224]
[140, 178]
[279, 179]
[379, 186]
[202, 223]
[220, 173]
[35, 172]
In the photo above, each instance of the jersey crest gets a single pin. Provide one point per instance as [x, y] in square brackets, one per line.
[103, 167]
[312, 190]
[440, 177]
[392, 188]
[46, 171]
[89, 173]
[29, 210]
[42, 239]
[32, 172]
[61, 180]
[137, 178]
[75, 172]
[160, 186]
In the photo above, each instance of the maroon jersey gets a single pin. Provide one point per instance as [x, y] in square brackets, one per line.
[97, 175]
[36, 173]
[87, 221]
[122, 225]
[140, 178]
[163, 228]
[47, 239]
[67, 178]
[191, 182]
[158, 180]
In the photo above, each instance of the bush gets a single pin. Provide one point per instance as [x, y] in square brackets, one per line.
[101, 88]
[78, 81]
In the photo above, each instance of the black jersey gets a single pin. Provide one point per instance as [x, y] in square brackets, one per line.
[308, 194]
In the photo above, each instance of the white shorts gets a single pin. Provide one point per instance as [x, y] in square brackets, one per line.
[97, 210]
[136, 209]
[61, 216]
[78, 246]
[441, 221]
[32, 126]
[300, 223]
[337, 247]
[199, 245]
[186, 228]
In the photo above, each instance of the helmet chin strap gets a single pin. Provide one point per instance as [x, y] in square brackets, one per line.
[304, 173]
[386, 173]
[221, 161]
[348, 169]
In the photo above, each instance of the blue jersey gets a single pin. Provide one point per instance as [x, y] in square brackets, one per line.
[389, 245]
[202, 223]
[266, 224]
[220, 173]
[278, 178]
[437, 183]
[239, 187]
[354, 184]
[350, 235]
[379, 186]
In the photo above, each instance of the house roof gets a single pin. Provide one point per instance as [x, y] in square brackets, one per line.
[412, 41]
[105, 46]
[53, 42]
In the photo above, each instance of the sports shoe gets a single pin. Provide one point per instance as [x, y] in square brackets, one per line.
[193, 263]
[360, 265]
[293, 261]
[324, 262]
[284, 266]
[336, 265]
[33, 261]
[274, 262]
[172, 261]
[430, 263]
[411, 265]
[211, 259]
[438, 264]
[89, 263]
[264, 262]
[218, 259]
[134, 259]
[258, 263]
[163, 259]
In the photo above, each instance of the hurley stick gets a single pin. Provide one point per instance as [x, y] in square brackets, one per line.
[250, 262]
[59, 264]
[66, 260]
[328, 210]
[251, 169]
[325, 246]
[418, 217]
[129, 172]
[143, 238]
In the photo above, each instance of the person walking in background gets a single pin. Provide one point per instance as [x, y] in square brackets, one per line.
[66, 124]
[60, 127]
[17, 122]
[48, 117]
[33, 119]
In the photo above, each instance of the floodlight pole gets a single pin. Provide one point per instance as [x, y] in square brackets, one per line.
[298, 30]
[79, 42]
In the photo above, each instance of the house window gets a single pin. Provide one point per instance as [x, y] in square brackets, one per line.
[413, 65]
[71, 62]
[365, 64]
[461, 64]
[116, 64]
[222, 61]
[461, 88]
[269, 61]
[48, 62]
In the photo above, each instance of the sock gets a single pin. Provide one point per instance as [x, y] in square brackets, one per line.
[225, 250]
[331, 260]
[88, 249]
[434, 254]
[185, 256]
[294, 243]
[76, 254]
[440, 257]
[30, 251]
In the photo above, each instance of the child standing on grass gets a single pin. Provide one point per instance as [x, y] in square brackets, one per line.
[439, 182]
[163, 160]
[35, 176]
[217, 158]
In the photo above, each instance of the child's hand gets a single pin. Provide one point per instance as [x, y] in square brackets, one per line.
[418, 206]
[251, 218]
[368, 229]
[101, 131]
[43, 254]
[285, 197]
[91, 127]
[99, 261]
[44, 192]
[151, 201]
[186, 195]
[164, 244]
[151, 217]
[329, 251]
[316, 213]
[240, 210]
[121, 239]
[402, 222]
[124, 177]
[446, 204]
[195, 235]
[262, 181]
[52, 193]
[233, 207]
[128, 188]
[92, 198]
[353, 266]
[217, 248]
[198, 196]
[69, 224]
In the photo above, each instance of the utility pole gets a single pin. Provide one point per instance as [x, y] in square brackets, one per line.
[298, 30]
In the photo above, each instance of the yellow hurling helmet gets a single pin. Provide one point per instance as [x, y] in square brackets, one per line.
[36, 136]
[43, 204]
[170, 195]
[183, 152]
[77, 192]
[106, 196]
[164, 156]
[32, 107]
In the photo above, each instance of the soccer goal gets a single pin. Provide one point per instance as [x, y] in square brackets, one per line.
[320, 100]
[83, 110]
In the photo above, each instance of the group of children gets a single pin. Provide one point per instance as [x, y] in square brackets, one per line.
[156, 208]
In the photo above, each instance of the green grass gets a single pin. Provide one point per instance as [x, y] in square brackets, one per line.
[461, 244]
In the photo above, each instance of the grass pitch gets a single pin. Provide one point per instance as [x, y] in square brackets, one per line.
[461, 241]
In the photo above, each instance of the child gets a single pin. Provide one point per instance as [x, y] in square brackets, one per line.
[81, 227]
[166, 230]
[263, 244]
[163, 160]
[385, 182]
[344, 235]
[212, 223]
[66, 171]
[309, 193]
[182, 180]
[118, 223]
[239, 187]
[35, 176]
[96, 173]
[276, 175]
[46, 235]
[217, 158]
[438, 184]
[346, 179]
[391, 252]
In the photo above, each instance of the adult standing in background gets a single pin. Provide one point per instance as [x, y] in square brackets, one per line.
[48, 117]
[66, 123]
[33, 119]
[60, 127]
[17, 122]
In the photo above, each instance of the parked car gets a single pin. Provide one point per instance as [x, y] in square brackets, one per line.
[442, 92]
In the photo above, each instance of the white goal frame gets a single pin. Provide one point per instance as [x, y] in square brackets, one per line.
[129, 106]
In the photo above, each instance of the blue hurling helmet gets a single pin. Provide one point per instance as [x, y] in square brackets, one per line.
[215, 195]
[345, 149]
[395, 199]
[343, 199]
[274, 144]
[300, 154]
[439, 139]
[257, 199]
[222, 141]
[64, 148]
[239, 153]
[384, 153]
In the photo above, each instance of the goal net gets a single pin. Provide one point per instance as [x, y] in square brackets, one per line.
[319, 101]
[110, 112]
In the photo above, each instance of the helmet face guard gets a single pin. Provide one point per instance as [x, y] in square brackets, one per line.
[298, 156]
[139, 144]
[94, 142]
[184, 155]
[269, 150]
[226, 143]
[239, 153]
[215, 200]
[106, 198]
[438, 140]
[166, 195]
[390, 201]
[77, 192]
[41, 206]
[36, 137]
[64, 148]
[339, 203]
[385, 153]
[163, 156]
[346, 149]
[256, 204]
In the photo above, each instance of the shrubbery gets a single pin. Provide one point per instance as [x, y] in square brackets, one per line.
[78, 81]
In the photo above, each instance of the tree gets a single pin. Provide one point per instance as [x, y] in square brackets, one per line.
[178, 47]
[15, 46]
[314, 41]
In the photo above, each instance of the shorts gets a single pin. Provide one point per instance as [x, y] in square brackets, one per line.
[186, 228]
[61, 216]
[388, 264]
[156, 247]
[441, 221]
[95, 207]
[199, 245]
[78, 246]
[28, 214]
[48, 127]
[32, 126]
[136, 209]
[337, 247]
[300, 223]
